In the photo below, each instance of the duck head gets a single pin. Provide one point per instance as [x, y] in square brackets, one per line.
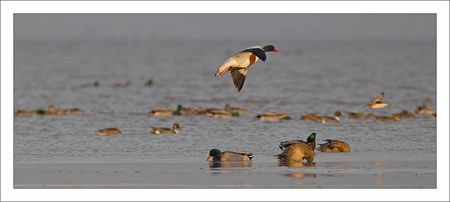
[270, 48]
[176, 127]
[213, 153]
[311, 141]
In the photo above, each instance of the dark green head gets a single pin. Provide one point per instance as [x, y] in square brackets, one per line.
[215, 152]
[178, 111]
[311, 138]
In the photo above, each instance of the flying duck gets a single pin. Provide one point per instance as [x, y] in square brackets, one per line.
[217, 155]
[239, 64]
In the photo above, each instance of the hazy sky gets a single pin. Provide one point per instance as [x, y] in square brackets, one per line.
[215, 26]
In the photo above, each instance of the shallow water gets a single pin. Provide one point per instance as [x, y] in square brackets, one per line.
[306, 76]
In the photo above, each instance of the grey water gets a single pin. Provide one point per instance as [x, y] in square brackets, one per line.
[306, 76]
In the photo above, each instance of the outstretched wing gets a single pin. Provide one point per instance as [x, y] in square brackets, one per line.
[238, 76]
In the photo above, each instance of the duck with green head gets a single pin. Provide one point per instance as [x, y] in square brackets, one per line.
[298, 150]
[217, 155]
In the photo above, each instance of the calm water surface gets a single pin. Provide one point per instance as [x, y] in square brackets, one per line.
[305, 76]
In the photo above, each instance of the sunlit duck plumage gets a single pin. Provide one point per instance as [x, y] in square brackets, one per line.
[109, 132]
[157, 112]
[425, 110]
[273, 116]
[176, 128]
[377, 102]
[240, 63]
[392, 118]
[334, 146]
[404, 115]
[310, 141]
[297, 152]
[217, 155]
[235, 110]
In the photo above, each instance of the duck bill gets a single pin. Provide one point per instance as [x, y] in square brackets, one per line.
[276, 50]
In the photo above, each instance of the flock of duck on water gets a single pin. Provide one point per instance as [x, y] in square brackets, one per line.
[238, 65]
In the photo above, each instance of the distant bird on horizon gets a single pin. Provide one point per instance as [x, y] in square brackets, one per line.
[239, 64]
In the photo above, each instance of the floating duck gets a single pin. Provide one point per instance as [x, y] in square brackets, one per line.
[322, 119]
[181, 110]
[239, 64]
[377, 102]
[404, 115]
[91, 85]
[218, 113]
[310, 141]
[236, 111]
[122, 85]
[217, 155]
[161, 112]
[273, 116]
[297, 152]
[334, 146]
[109, 132]
[328, 119]
[356, 115]
[176, 128]
[25, 113]
[425, 110]
[392, 118]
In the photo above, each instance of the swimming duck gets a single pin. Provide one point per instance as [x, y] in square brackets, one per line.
[90, 85]
[240, 63]
[392, 118]
[217, 155]
[328, 119]
[122, 85]
[425, 110]
[25, 113]
[176, 128]
[149, 83]
[181, 110]
[236, 111]
[310, 141]
[52, 110]
[218, 113]
[404, 115]
[334, 146]
[356, 115]
[273, 116]
[158, 112]
[109, 132]
[297, 152]
[377, 102]
[74, 111]
[311, 117]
